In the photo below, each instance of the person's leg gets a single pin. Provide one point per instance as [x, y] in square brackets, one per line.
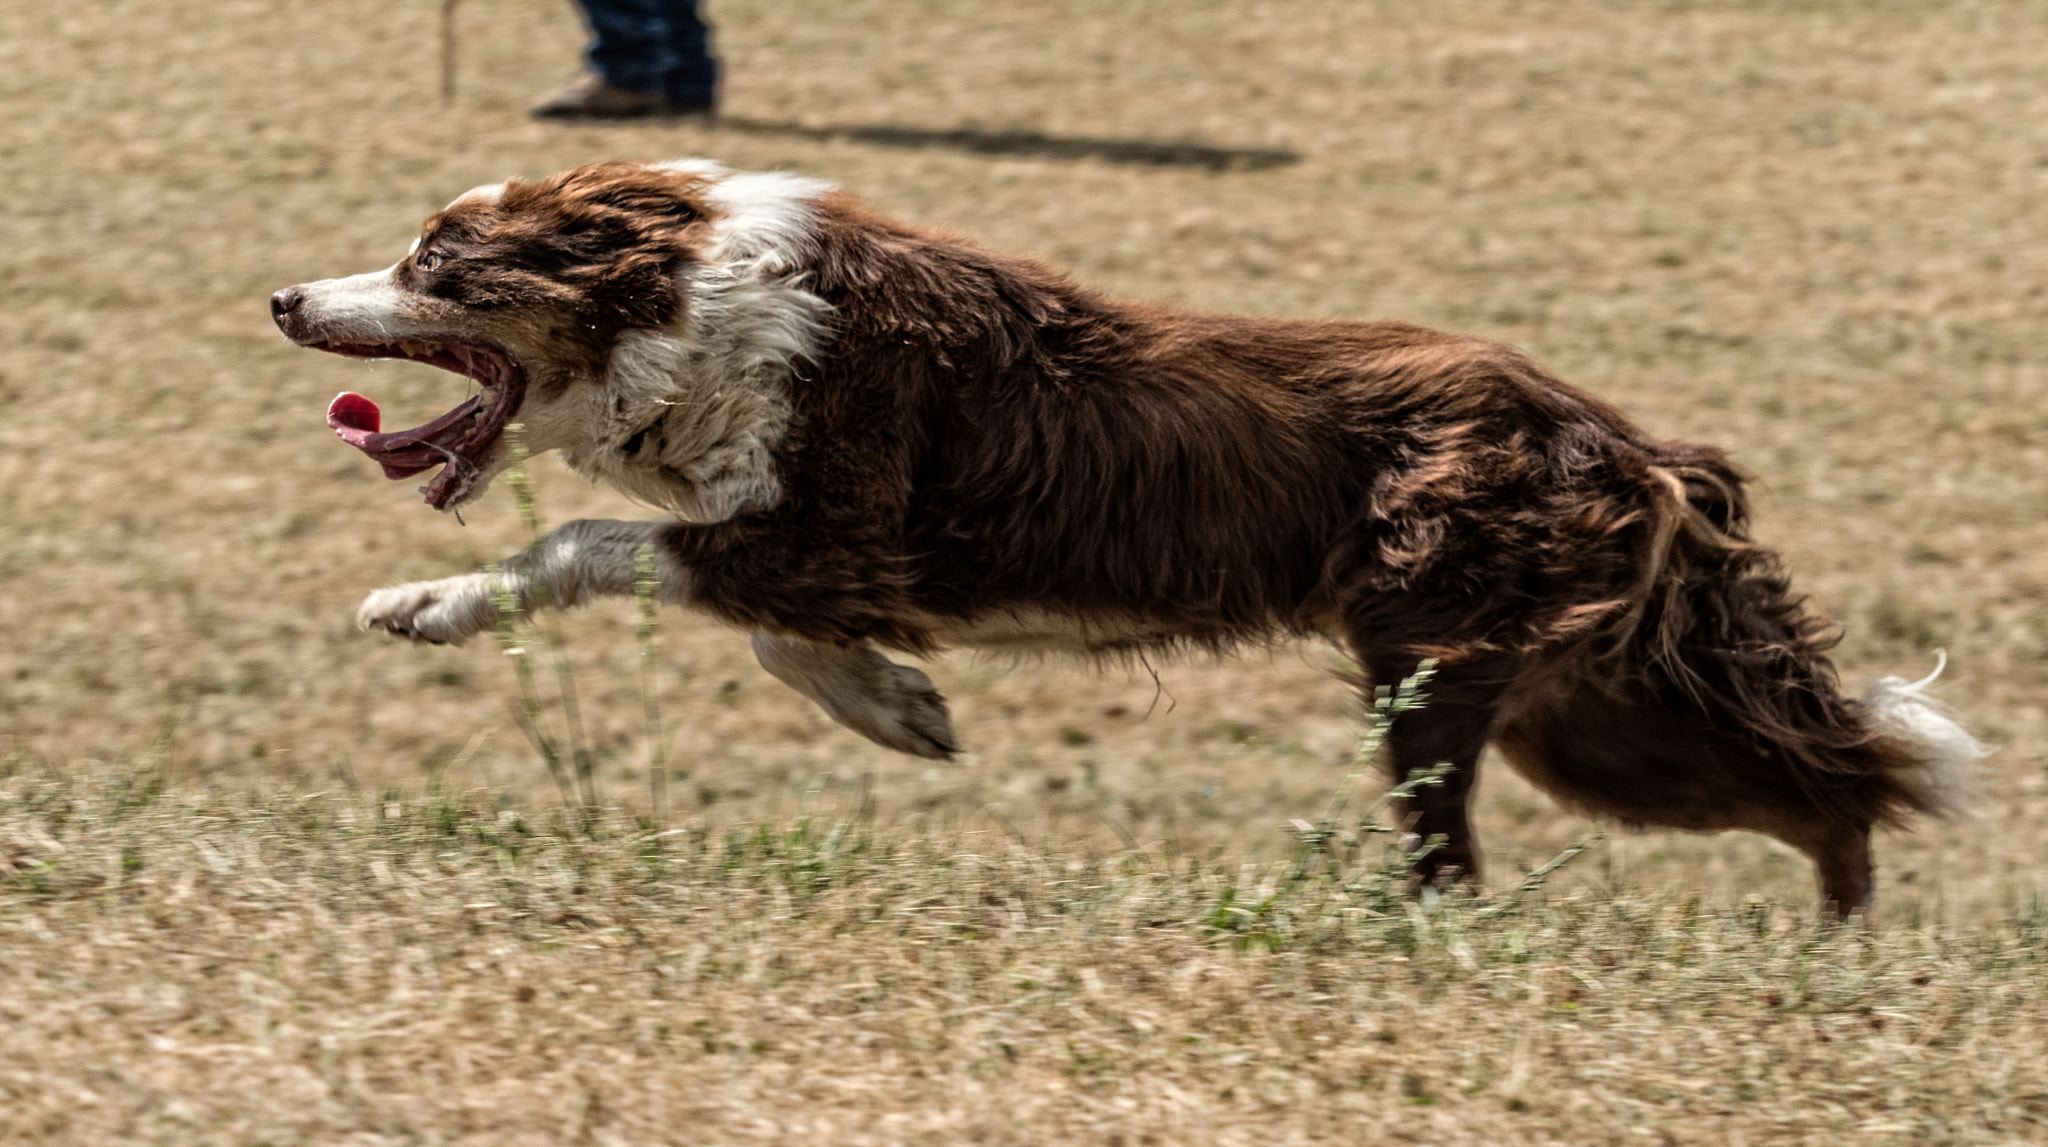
[691, 80]
[629, 42]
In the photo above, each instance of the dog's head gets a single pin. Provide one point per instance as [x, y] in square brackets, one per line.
[537, 291]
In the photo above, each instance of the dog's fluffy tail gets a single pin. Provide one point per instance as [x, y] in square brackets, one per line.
[1945, 782]
[1713, 625]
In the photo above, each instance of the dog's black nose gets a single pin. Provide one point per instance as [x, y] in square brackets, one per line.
[285, 302]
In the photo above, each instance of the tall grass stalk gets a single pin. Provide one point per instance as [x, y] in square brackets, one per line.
[648, 633]
[1387, 705]
[527, 713]
[540, 631]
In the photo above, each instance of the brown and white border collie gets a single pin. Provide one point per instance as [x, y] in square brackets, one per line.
[874, 436]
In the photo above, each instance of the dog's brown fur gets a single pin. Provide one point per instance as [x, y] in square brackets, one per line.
[980, 439]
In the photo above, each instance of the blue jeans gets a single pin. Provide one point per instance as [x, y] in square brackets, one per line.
[653, 46]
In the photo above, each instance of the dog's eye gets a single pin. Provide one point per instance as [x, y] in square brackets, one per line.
[432, 259]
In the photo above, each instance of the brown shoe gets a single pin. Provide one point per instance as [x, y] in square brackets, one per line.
[589, 96]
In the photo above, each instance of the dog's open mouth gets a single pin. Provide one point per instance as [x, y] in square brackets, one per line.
[459, 441]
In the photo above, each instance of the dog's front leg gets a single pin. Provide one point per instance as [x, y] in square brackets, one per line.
[577, 562]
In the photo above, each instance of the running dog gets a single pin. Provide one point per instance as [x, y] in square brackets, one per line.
[870, 436]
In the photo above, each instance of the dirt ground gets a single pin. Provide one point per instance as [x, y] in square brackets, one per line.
[1807, 231]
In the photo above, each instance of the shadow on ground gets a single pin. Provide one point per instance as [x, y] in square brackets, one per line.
[977, 141]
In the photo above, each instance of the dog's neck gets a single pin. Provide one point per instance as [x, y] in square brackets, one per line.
[689, 419]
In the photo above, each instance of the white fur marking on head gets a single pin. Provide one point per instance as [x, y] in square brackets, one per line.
[484, 193]
[1948, 754]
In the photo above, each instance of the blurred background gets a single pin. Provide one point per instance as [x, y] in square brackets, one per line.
[1809, 232]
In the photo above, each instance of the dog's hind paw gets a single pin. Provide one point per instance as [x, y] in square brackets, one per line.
[913, 718]
[893, 705]
[445, 612]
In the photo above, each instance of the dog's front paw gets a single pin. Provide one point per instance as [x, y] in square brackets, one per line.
[445, 612]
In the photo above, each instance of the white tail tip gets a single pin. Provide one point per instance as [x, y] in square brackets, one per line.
[1945, 784]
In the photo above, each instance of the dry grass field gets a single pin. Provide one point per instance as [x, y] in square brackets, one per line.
[338, 900]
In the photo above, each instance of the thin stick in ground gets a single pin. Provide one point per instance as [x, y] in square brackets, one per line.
[447, 51]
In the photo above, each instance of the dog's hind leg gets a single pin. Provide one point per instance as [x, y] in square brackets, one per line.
[893, 705]
[1840, 852]
[1613, 752]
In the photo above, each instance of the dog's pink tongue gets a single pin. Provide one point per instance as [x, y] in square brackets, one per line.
[356, 420]
[351, 411]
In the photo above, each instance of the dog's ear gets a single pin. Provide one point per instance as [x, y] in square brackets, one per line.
[647, 201]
